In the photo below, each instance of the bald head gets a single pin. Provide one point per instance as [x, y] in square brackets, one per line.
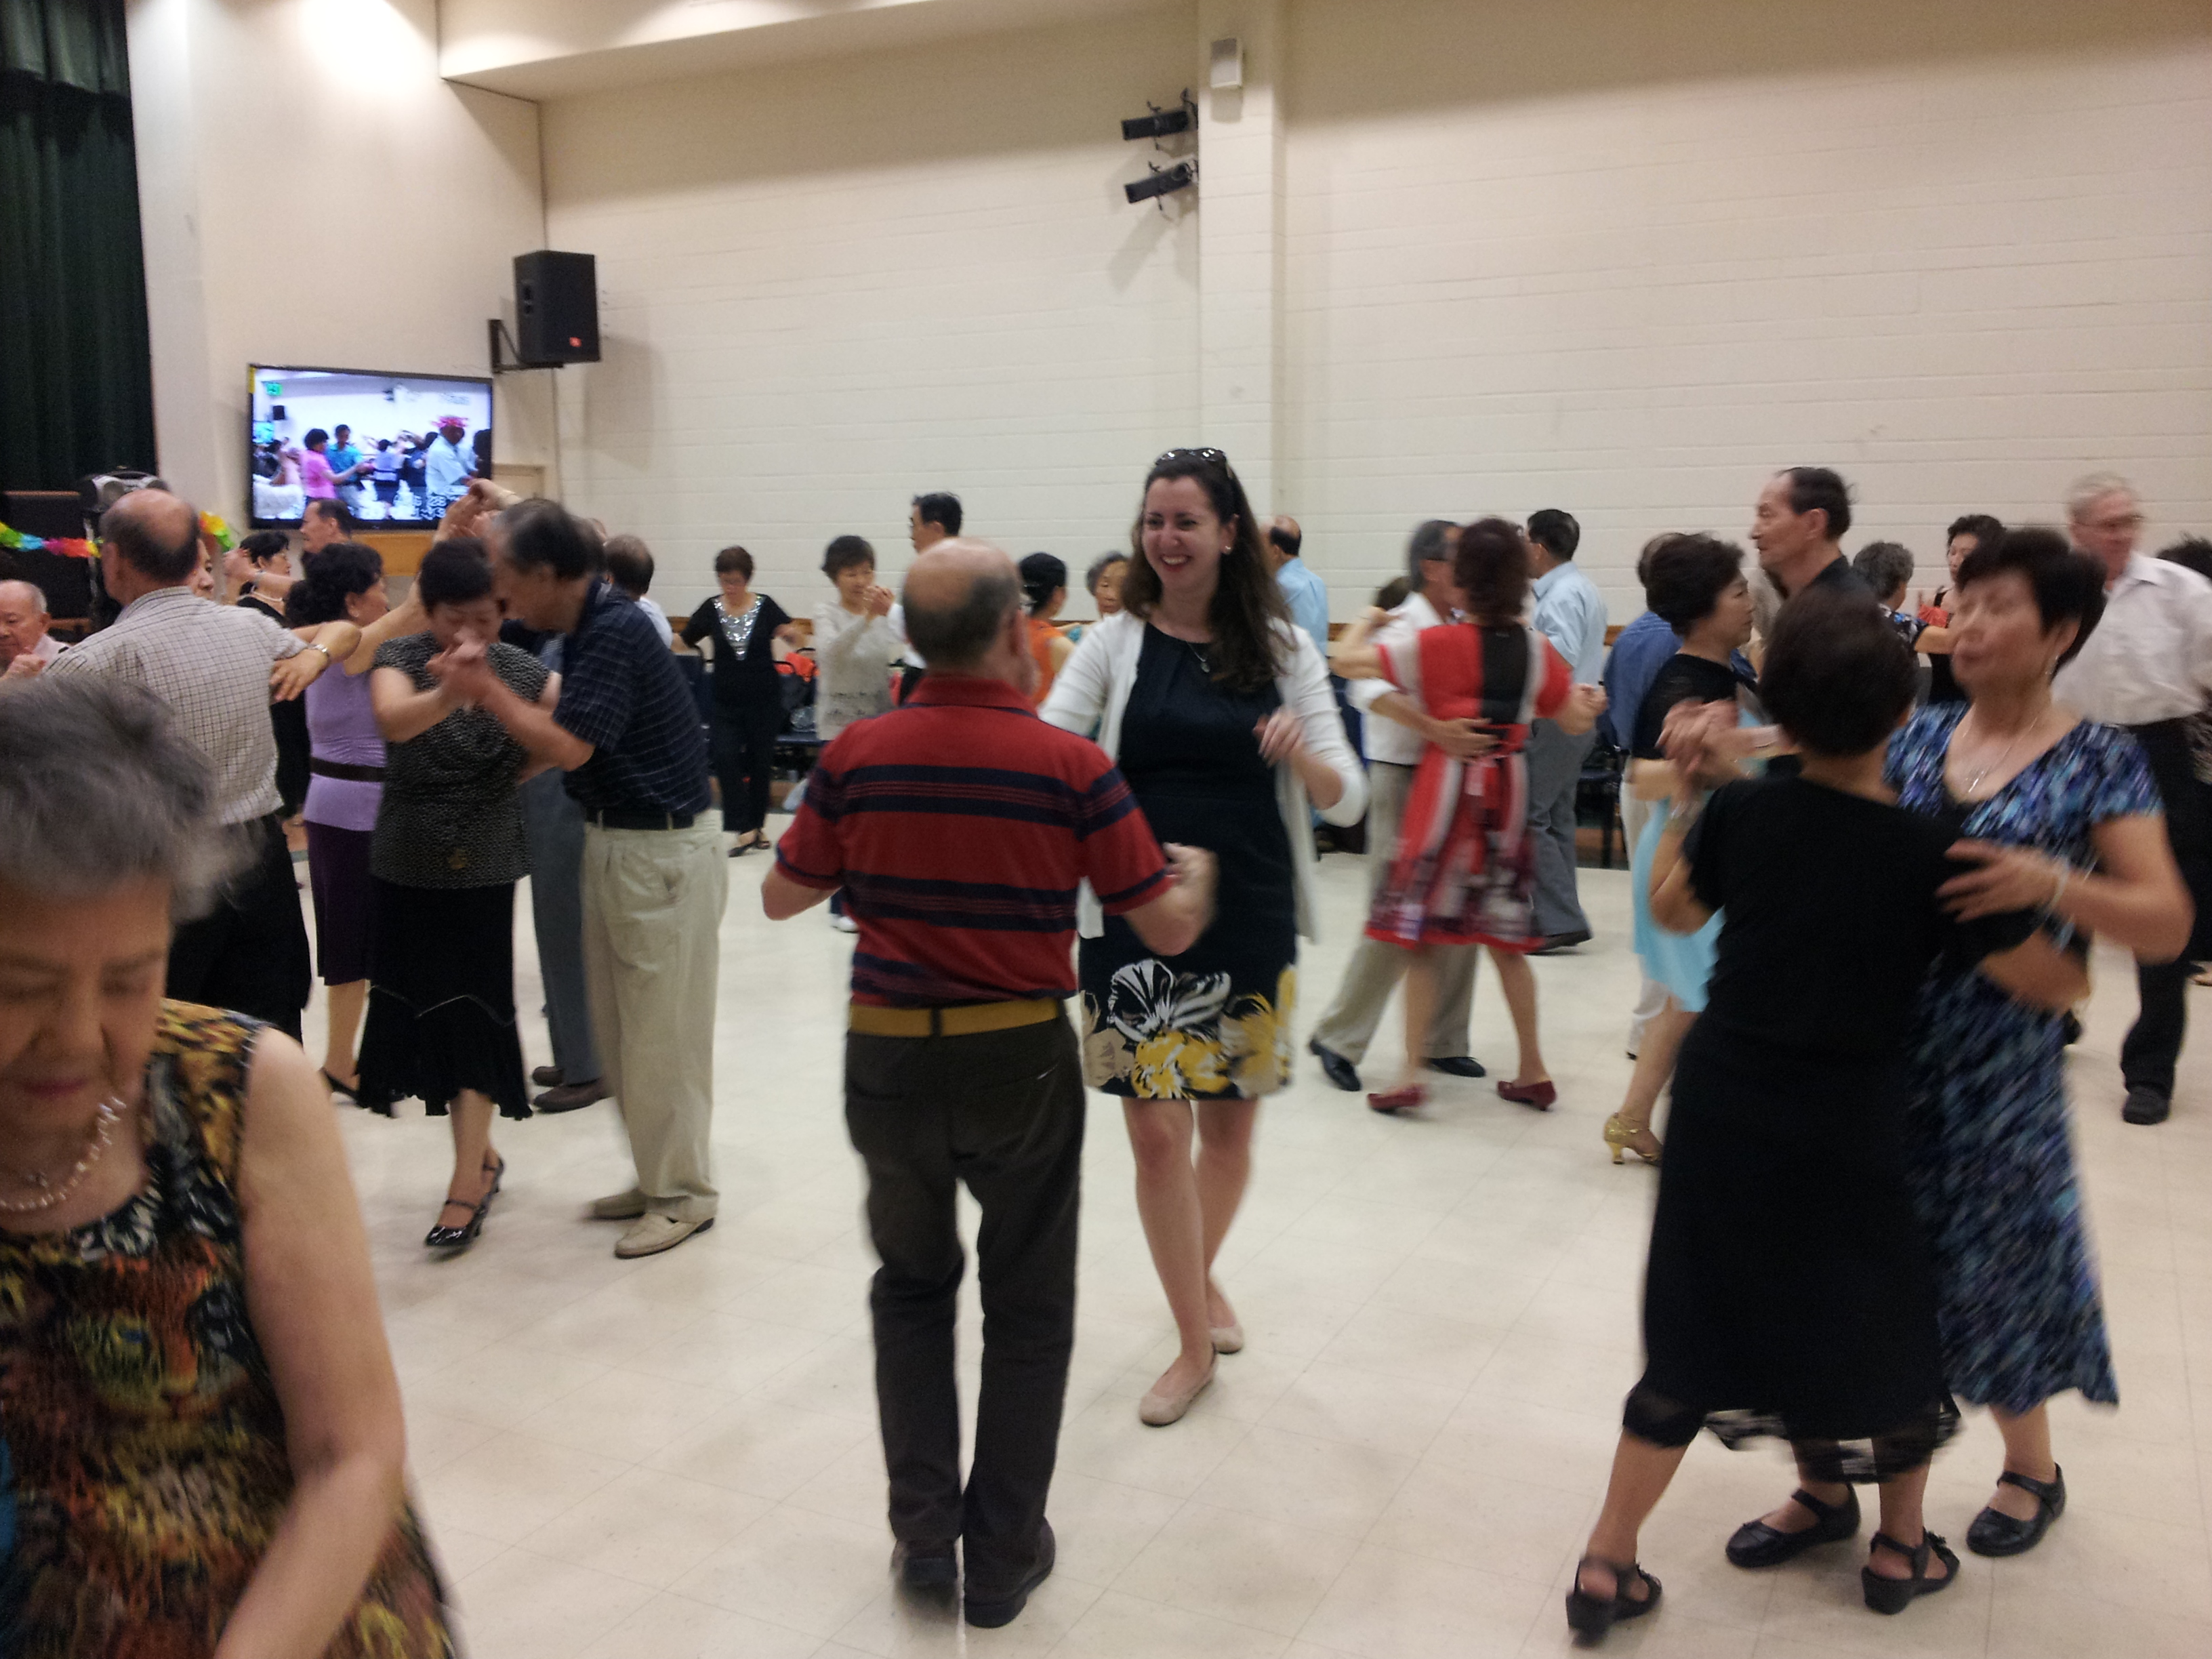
[1284, 538]
[155, 533]
[963, 609]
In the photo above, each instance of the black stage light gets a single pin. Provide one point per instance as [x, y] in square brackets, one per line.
[1163, 123]
[1181, 176]
[1160, 123]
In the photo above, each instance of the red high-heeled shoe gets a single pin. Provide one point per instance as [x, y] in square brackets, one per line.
[1394, 1101]
[1539, 1094]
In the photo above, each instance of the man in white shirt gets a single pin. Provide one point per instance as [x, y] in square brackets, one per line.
[25, 647]
[1396, 733]
[2148, 667]
[1571, 613]
[216, 666]
[447, 468]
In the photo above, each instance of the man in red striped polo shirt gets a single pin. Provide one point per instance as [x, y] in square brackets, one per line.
[960, 827]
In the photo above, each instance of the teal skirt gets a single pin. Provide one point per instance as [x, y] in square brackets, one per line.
[1680, 962]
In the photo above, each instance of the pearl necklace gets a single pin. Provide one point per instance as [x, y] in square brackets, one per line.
[50, 1192]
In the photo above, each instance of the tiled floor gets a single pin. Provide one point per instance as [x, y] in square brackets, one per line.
[676, 1459]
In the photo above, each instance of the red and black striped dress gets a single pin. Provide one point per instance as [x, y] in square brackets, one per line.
[1465, 870]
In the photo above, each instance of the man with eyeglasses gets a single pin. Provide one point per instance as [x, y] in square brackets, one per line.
[2148, 667]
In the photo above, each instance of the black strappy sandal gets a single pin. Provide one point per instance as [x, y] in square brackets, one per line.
[1895, 1594]
[1591, 1616]
[459, 1238]
[1755, 1544]
[1996, 1532]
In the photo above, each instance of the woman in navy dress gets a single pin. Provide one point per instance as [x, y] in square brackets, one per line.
[2042, 796]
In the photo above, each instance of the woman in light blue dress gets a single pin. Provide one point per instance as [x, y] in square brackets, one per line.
[1696, 585]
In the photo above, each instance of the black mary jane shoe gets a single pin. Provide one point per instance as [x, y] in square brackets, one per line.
[1895, 1594]
[1755, 1544]
[459, 1238]
[1996, 1532]
[1591, 1616]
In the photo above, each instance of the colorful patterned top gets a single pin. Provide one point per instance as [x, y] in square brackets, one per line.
[143, 1465]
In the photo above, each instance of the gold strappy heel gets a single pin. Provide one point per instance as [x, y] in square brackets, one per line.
[1620, 1135]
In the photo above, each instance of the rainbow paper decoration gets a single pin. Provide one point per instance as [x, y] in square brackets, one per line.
[69, 548]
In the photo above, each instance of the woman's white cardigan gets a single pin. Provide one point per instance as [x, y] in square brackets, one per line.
[1092, 688]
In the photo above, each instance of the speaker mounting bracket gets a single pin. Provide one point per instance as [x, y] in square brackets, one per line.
[495, 328]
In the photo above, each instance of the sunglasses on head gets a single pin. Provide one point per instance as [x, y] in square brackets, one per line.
[1211, 457]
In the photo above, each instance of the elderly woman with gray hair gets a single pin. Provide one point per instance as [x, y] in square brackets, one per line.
[203, 1430]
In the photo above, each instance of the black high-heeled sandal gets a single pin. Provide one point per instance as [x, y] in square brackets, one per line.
[1996, 1532]
[459, 1238]
[1591, 1616]
[1895, 1594]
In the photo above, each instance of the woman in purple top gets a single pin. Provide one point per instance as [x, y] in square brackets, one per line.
[345, 782]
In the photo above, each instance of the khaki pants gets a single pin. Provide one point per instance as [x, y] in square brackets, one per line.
[1376, 968]
[653, 918]
[1650, 994]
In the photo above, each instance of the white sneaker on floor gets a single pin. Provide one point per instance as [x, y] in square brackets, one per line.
[656, 1232]
[844, 924]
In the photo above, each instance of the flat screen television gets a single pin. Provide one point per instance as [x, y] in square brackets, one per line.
[396, 448]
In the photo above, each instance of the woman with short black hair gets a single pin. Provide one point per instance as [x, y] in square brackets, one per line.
[1696, 585]
[448, 851]
[345, 765]
[744, 628]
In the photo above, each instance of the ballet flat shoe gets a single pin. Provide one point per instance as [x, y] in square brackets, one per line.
[1228, 1339]
[1157, 1410]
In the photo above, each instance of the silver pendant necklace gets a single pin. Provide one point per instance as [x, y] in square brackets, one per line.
[51, 1191]
[1974, 783]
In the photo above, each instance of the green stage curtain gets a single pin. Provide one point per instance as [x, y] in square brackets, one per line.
[76, 384]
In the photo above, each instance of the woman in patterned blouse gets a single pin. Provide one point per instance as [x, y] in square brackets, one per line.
[198, 1420]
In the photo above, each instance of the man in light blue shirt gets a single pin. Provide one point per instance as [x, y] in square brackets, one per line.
[1306, 593]
[1571, 613]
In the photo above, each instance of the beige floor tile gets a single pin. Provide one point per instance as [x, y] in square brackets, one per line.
[1364, 1408]
[677, 1627]
[753, 1446]
[513, 1484]
[647, 1525]
[1101, 1527]
[812, 1573]
[519, 1603]
[1106, 1442]
[1330, 1485]
[625, 1413]
[1500, 1525]
[1234, 1565]
[1389, 1605]
[1423, 1347]
[1117, 1626]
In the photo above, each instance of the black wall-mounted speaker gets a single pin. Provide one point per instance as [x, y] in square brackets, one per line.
[556, 307]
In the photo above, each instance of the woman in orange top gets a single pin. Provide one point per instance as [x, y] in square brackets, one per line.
[1044, 584]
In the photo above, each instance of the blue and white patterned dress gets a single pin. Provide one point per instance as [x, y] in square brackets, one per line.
[1988, 1145]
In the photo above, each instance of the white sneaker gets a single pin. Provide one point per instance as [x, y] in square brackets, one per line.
[844, 924]
[656, 1232]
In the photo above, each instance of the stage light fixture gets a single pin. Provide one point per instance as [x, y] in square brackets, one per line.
[1163, 123]
[1162, 182]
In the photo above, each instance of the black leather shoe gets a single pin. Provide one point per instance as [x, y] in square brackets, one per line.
[547, 1076]
[1757, 1544]
[1339, 1070]
[1996, 1532]
[1558, 942]
[925, 1566]
[988, 1609]
[1458, 1066]
[2146, 1105]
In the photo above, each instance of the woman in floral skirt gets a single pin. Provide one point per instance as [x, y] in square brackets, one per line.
[1220, 714]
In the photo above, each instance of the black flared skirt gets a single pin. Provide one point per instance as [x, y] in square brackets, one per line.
[1790, 1290]
[441, 999]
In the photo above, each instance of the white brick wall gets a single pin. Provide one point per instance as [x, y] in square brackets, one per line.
[1619, 257]
[828, 287]
[1626, 260]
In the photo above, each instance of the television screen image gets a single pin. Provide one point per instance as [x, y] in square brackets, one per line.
[395, 448]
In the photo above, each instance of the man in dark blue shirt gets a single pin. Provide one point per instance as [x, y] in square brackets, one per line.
[627, 734]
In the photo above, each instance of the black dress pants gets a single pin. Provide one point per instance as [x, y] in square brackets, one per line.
[1003, 1113]
[2153, 1048]
[742, 737]
[249, 954]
